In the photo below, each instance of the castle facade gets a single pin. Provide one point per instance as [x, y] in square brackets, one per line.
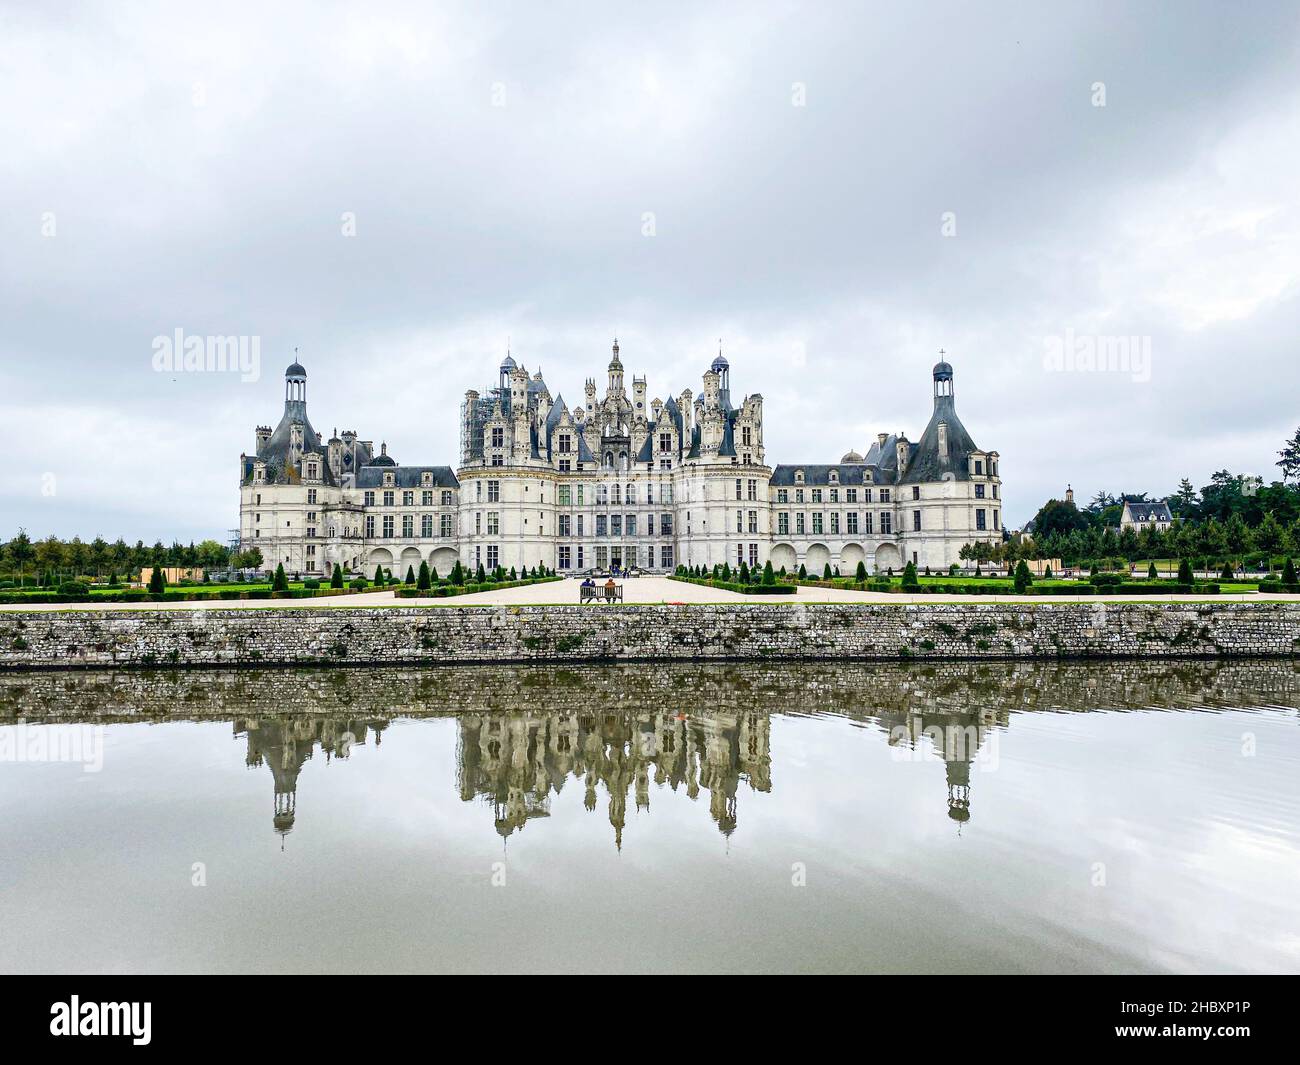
[619, 480]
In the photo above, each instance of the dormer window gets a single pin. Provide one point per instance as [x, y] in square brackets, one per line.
[388, 480]
[835, 477]
[798, 476]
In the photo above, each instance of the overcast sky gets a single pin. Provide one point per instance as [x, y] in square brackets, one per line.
[835, 191]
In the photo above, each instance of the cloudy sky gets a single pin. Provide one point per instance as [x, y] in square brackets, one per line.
[835, 191]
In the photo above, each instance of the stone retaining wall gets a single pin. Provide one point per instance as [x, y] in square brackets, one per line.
[760, 631]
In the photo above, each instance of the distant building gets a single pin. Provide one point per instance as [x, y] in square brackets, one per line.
[1142, 515]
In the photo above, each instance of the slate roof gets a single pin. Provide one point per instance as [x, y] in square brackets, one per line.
[275, 452]
[372, 476]
[1149, 511]
[925, 464]
[820, 475]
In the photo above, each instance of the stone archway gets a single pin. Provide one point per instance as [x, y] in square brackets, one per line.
[816, 559]
[379, 556]
[410, 559]
[888, 557]
[850, 556]
[784, 555]
[443, 559]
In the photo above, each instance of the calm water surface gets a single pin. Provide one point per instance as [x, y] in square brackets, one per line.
[1116, 817]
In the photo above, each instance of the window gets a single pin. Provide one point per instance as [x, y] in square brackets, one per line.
[665, 493]
[783, 523]
[426, 499]
[564, 495]
[752, 525]
[751, 490]
[850, 495]
[565, 444]
[816, 495]
[886, 523]
[979, 491]
[494, 523]
[600, 524]
[799, 523]
[737, 487]
[564, 466]
[979, 519]
[995, 519]
[493, 556]
[388, 526]
[650, 493]
[579, 524]
[798, 495]
[408, 525]
[916, 521]
[817, 523]
[753, 555]
[866, 495]
[616, 525]
[564, 556]
[631, 525]
[916, 491]
[616, 494]
[740, 521]
[866, 523]
[665, 441]
[311, 471]
[494, 491]
[665, 525]
[835, 523]
[602, 557]
[388, 499]
[884, 495]
[746, 436]
[665, 556]
[446, 499]
[564, 522]
[851, 523]
[370, 526]
[444, 524]
[835, 495]
[311, 496]
[498, 436]
[740, 554]
[426, 525]
[979, 468]
[783, 495]
[408, 499]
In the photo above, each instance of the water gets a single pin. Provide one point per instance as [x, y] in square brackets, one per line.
[1114, 817]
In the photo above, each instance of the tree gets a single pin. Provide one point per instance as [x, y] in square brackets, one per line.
[1058, 516]
[424, 582]
[21, 551]
[769, 575]
[803, 572]
[910, 579]
[1288, 571]
[280, 583]
[1185, 572]
[379, 576]
[336, 580]
[1024, 579]
[479, 575]
[410, 574]
[157, 581]
[1151, 572]
[1289, 458]
[826, 572]
[743, 575]
[861, 574]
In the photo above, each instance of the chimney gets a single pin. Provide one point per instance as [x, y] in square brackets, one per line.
[880, 441]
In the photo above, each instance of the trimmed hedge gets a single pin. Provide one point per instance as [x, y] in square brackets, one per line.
[1278, 586]
[446, 591]
[176, 595]
[736, 586]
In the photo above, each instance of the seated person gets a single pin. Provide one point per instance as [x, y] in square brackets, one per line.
[610, 585]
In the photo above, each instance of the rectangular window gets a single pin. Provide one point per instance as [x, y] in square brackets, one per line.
[737, 487]
[579, 533]
[866, 523]
[564, 495]
[866, 495]
[783, 523]
[995, 519]
[563, 520]
[493, 558]
[494, 523]
[408, 525]
[580, 556]
[835, 522]
[370, 526]
[799, 523]
[665, 441]
[916, 521]
[600, 524]
[498, 436]
[616, 525]
[445, 525]
[979, 491]
[494, 491]
[631, 525]
[916, 491]
[665, 524]
[817, 523]
[753, 555]
[886, 523]
[753, 521]
[408, 499]
[979, 468]
[564, 556]
[665, 556]
[979, 519]
[816, 495]
[388, 499]
[388, 526]
[665, 493]
[426, 525]
[751, 490]
[884, 495]
[740, 521]
[850, 495]
[851, 523]
[602, 558]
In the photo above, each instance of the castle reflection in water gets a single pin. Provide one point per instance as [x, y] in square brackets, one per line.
[517, 762]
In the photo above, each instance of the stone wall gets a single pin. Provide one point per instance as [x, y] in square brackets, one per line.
[761, 631]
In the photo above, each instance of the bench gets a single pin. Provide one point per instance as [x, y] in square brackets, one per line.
[599, 593]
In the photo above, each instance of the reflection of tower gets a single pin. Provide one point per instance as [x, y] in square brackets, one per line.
[959, 791]
[284, 745]
[956, 738]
